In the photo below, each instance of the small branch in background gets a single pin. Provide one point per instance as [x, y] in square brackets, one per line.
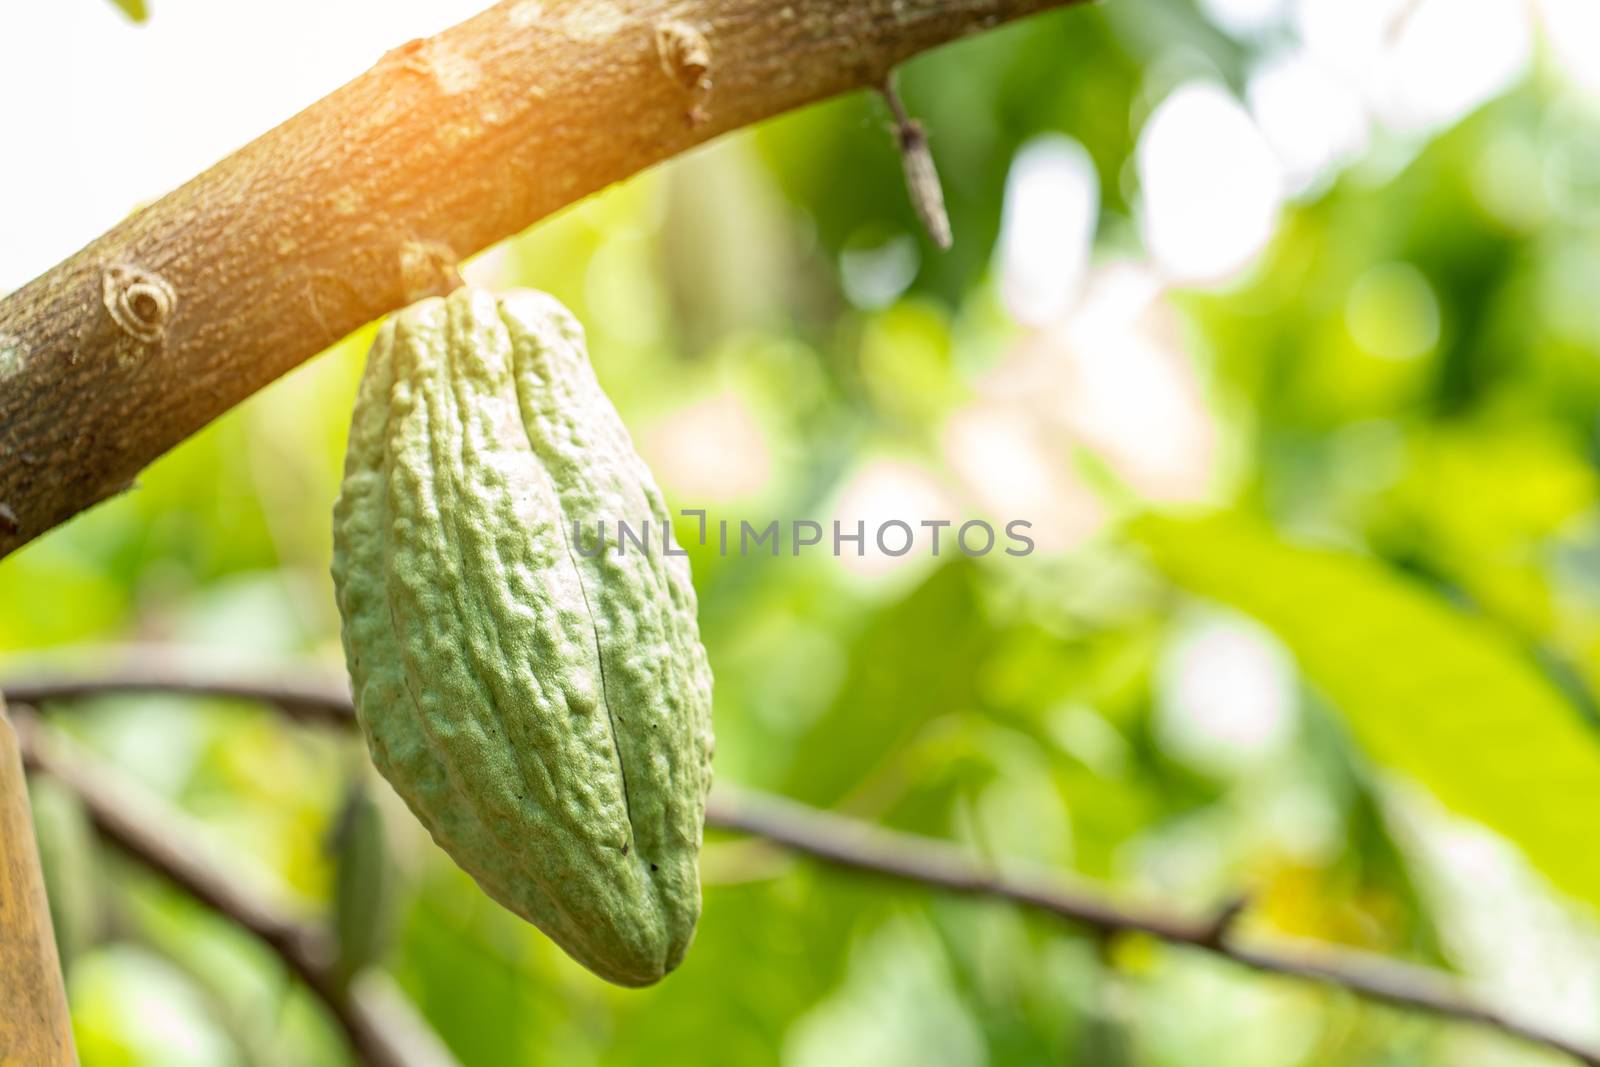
[922, 177]
[848, 842]
[381, 1026]
[1224, 919]
[856, 845]
[301, 696]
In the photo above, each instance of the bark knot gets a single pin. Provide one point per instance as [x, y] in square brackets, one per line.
[140, 302]
[685, 55]
[428, 268]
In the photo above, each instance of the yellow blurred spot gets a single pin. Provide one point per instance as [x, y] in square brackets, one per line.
[1392, 312]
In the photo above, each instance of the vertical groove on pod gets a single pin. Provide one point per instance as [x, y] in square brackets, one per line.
[605, 694]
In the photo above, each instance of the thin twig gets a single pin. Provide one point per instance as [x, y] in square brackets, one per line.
[378, 1024]
[1225, 918]
[851, 843]
[304, 697]
[922, 177]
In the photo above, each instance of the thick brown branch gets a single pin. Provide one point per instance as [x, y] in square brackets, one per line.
[382, 1029]
[366, 200]
[853, 844]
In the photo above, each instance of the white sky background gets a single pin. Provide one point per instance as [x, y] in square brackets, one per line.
[121, 114]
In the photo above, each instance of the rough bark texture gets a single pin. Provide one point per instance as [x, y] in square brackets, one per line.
[34, 1027]
[366, 200]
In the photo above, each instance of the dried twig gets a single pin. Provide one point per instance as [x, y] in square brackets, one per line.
[922, 177]
[851, 843]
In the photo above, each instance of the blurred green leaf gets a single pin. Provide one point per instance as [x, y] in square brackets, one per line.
[1427, 690]
[131, 1008]
[881, 703]
[363, 885]
[67, 858]
[134, 9]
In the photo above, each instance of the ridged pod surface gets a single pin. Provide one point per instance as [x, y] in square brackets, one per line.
[545, 713]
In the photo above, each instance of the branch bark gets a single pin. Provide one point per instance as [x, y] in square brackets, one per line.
[855, 845]
[366, 200]
[382, 1028]
[34, 1027]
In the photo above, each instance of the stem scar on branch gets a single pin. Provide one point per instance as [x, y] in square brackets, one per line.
[140, 302]
[428, 268]
[922, 177]
[686, 58]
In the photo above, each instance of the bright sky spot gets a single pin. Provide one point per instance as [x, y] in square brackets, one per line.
[1312, 118]
[1052, 205]
[1131, 392]
[1227, 695]
[711, 451]
[1573, 28]
[1211, 185]
[1420, 65]
[1349, 35]
[1013, 468]
[887, 491]
[1450, 56]
[1113, 380]
[875, 273]
[1244, 18]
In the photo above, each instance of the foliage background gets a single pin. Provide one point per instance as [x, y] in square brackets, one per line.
[1327, 269]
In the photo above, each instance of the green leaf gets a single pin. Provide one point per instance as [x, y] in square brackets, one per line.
[67, 858]
[134, 9]
[1427, 690]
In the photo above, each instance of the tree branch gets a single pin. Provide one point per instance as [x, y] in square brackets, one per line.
[851, 843]
[300, 695]
[366, 200]
[35, 1027]
[383, 1030]
[856, 845]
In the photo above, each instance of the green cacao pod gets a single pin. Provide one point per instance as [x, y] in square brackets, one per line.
[544, 708]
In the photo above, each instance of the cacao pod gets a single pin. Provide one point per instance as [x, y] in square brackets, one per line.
[545, 712]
